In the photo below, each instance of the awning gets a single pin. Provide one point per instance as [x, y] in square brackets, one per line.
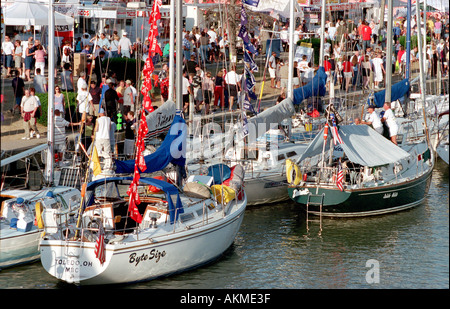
[362, 145]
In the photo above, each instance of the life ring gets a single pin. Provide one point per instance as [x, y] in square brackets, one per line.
[39, 211]
[292, 168]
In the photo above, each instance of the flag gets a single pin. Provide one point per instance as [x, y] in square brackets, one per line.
[97, 168]
[250, 61]
[247, 105]
[244, 124]
[340, 178]
[250, 80]
[334, 131]
[243, 34]
[133, 200]
[100, 245]
[243, 16]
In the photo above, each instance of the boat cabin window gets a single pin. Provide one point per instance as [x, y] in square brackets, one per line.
[280, 157]
[291, 154]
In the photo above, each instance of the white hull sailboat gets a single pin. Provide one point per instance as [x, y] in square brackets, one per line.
[21, 226]
[167, 241]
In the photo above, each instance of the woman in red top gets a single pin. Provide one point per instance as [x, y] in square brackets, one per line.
[347, 68]
[400, 53]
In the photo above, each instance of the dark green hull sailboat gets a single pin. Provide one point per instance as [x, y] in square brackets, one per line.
[369, 175]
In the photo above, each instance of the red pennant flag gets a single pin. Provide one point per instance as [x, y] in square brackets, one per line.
[132, 208]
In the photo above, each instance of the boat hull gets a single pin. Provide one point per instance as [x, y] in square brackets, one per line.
[143, 260]
[367, 201]
[19, 248]
[266, 190]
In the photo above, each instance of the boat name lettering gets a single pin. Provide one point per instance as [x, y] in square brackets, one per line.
[389, 195]
[72, 263]
[154, 254]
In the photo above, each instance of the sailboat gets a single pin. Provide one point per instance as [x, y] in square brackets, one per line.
[355, 171]
[262, 143]
[133, 229]
[26, 214]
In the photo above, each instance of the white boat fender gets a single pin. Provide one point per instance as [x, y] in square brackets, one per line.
[296, 192]
[293, 174]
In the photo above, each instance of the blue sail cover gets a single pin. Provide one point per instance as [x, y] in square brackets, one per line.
[397, 91]
[315, 87]
[172, 150]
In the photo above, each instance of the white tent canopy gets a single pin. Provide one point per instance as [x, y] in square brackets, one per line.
[31, 12]
[280, 7]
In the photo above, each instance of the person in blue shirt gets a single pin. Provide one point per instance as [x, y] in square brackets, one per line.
[397, 31]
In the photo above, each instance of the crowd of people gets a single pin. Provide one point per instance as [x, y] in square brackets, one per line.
[355, 57]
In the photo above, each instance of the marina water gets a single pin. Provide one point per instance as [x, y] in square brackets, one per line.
[405, 250]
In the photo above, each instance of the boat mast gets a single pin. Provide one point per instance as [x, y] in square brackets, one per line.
[51, 95]
[387, 97]
[171, 48]
[322, 33]
[408, 40]
[179, 56]
[290, 92]
[421, 69]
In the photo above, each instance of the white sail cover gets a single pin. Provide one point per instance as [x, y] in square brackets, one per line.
[362, 145]
[160, 120]
[273, 116]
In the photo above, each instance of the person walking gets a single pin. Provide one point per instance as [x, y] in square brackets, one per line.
[8, 51]
[378, 69]
[219, 90]
[28, 108]
[39, 56]
[18, 86]
[232, 81]
[125, 47]
[59, 101]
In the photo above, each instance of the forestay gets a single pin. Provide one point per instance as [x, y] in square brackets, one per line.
[362, 145]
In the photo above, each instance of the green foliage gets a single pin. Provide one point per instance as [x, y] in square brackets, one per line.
[402, 41]
[69, 99]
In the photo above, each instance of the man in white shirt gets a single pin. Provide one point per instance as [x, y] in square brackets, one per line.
[102, 138]
[28, 108]
[272, 69]
[212, 35]
[81, 82]
[125, 46]
[8, 50]
[391, 122]
[374, 120]
[84, 100]
[232, 80]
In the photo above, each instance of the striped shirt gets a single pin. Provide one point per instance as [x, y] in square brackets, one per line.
[60, 130]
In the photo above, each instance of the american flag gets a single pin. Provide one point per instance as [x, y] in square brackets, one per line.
[100, 245]
[340, 178]
[334, 131]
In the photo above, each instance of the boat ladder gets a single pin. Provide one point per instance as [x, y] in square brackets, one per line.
[316, 200]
